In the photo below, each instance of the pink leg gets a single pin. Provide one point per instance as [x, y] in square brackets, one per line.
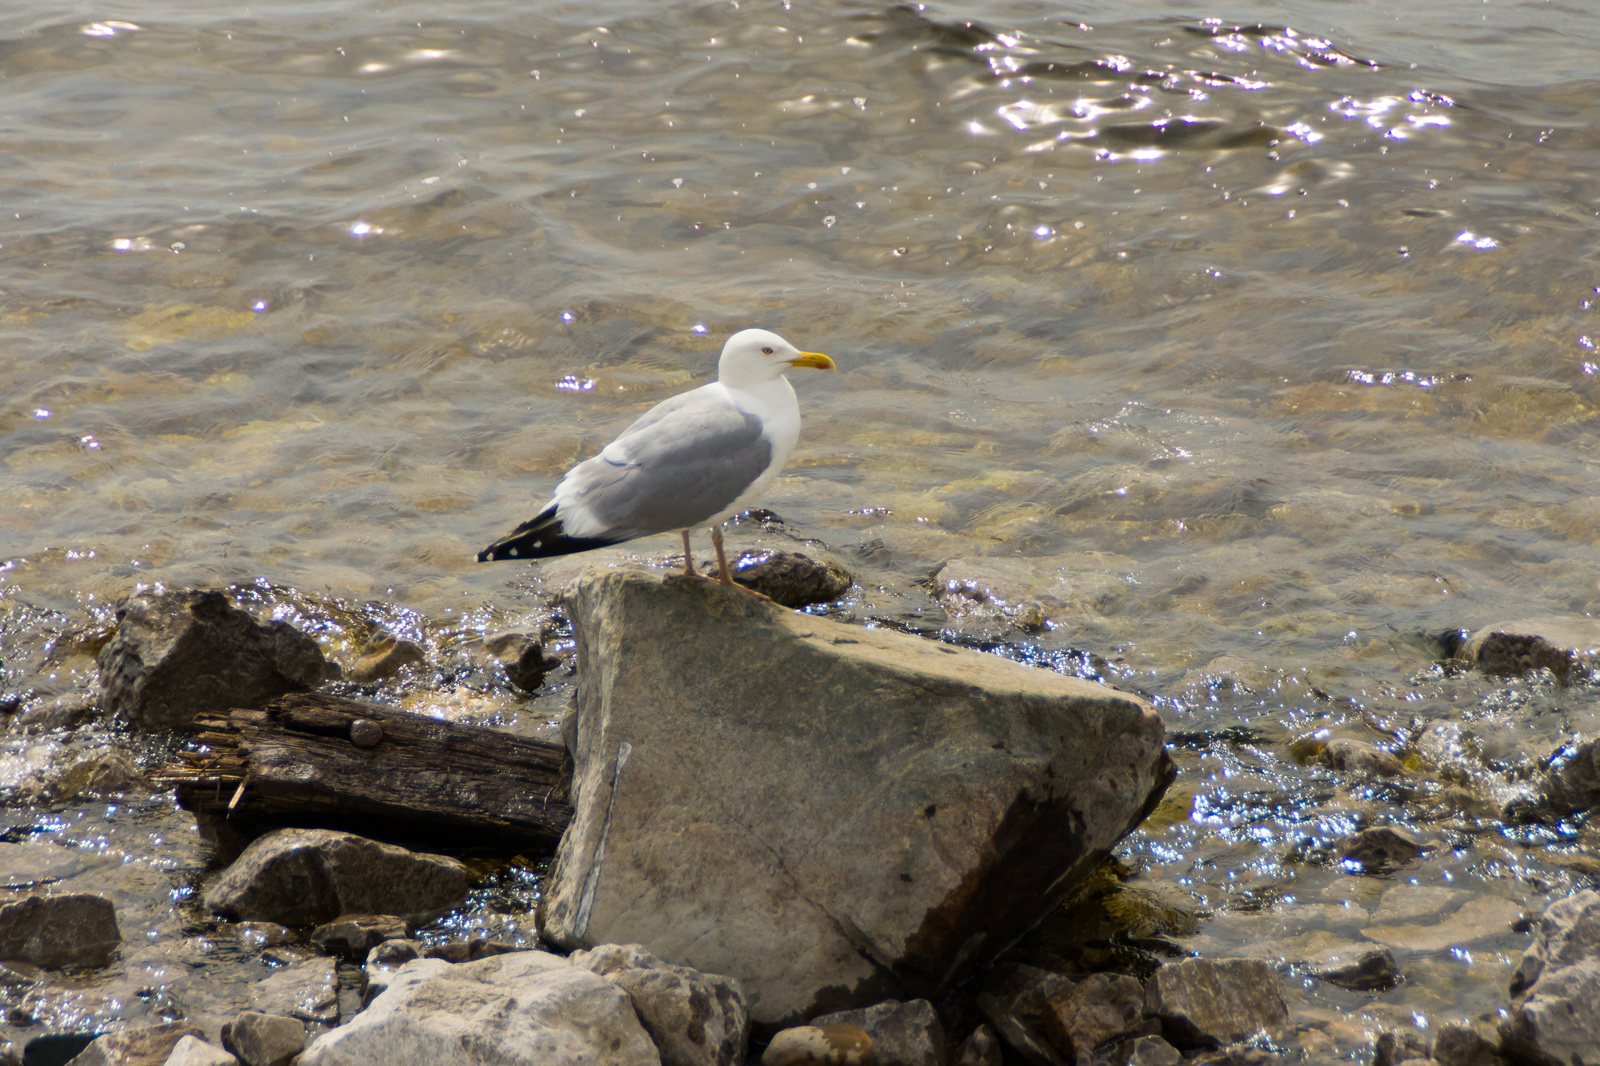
[688, 563]
[722, 560]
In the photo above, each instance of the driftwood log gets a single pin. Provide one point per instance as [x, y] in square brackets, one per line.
[323, 762]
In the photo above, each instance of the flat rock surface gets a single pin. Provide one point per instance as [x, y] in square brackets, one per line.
[1476, 919]
[144, 1046]
[526, 1007]
[311, 876]
[876, 809]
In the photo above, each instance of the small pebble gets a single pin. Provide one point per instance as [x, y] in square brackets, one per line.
[365, 733]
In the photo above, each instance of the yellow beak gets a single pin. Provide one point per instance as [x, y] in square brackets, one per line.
[815, 360]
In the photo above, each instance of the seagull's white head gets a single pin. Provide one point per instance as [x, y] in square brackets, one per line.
[757, 356]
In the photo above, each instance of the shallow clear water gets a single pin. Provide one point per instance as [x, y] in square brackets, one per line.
[1254, 343]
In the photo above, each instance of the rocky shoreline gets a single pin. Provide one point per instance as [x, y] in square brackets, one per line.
[791, 841]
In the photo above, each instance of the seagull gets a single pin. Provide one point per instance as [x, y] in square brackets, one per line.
[702, 456]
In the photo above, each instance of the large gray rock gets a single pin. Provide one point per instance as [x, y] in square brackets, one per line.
[1555, 989]
[1211, 1002]
[311, 876]
[835, 815]
[902, 1034]
[526, 1007]
[55, 931]
[694, 1019]
[180, 653]
[147, 1046]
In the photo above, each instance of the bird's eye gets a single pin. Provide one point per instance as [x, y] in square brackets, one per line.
[766, 351]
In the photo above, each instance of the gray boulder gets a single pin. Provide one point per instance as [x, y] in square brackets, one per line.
[1555, 989]
[147, 1046]
[192, 1051]
[695, 1019]
[260, 1039]
[311, 876]
[834, 814]
[1212, 1002]
[181, 653]
[525, 1007]
[902, 1034]
[55, 931]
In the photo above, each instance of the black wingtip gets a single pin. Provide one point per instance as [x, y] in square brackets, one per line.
[539, 538]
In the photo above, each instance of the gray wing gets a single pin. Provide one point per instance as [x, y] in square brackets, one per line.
[685, 460]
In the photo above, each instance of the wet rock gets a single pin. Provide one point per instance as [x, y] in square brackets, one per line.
[523, 657]
[310, 876]
[1099, 1009]
[383, 962]
[1459, 1044]
[791, 579]
[529, 1006]
[178, 654]
[1382, 847]
[192, 1051]
[103, 772]
[902, 1034]
[1359, 757]
[1395, 1046]
[982, 1048]
[1555, 989]
[263, 934]
[1364, 968]
[694, 1018]
[148, 1046]
[384, 656]
[469, 949]
[26, 865]
[997, 786]
[1152, 1051]
[996, 588]
[308, 991]
[1571, 784]
[1567, 647]
[1211, 1002]
[353, 935]
[259, 1039]
[56, 931]
[54, 715]
[820, 1045]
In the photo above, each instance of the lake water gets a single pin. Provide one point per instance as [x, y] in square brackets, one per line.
[1254, 344]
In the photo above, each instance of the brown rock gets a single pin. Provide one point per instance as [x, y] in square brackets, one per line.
[789, 578]
[1099, 1009]
[147, 1046]
[306, 876]
[1381, 848]
[902, 1034]
[1365, 969]
[57, 931]
[1211, 1002]
[384, 656]
[353, 935]
[177, 654]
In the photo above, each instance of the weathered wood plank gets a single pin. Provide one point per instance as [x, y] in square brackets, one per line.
[424, 782]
